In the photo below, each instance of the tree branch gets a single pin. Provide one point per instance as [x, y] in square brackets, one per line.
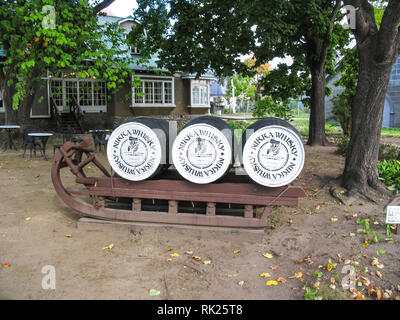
[102, 5]
[389, 31]
[325, 44]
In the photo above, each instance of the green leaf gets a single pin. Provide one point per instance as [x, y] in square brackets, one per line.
[154, 292]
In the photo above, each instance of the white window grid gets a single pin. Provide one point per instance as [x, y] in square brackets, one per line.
[200, 93]
[92, 92]
[154, 92]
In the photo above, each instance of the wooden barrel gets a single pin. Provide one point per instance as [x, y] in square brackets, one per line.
[203, 150]
[273, 152]
[138, 149]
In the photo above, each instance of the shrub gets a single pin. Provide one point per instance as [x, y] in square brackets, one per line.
[388, 152]
[389, 173]
[342, 144]
[268, 106]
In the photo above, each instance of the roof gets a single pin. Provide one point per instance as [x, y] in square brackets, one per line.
[217, 89]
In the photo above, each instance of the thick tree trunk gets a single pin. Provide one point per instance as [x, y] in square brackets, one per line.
[361, 172]
[316, 134]
[377, 50]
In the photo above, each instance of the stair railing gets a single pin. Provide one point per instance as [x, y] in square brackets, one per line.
[55, 114]
[76, 110]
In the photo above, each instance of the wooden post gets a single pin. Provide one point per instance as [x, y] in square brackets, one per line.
[172, 207]
[137, 205]
[248, 211]
[210, 209]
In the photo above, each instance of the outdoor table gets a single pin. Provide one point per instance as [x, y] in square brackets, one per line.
[43, 136]
[10, 142]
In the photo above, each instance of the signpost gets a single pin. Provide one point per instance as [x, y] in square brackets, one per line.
[393, 215]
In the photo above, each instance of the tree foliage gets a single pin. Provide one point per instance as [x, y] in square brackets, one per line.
[76, 43]
[196, 35]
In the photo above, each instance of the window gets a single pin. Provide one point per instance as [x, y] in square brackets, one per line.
[154, 92]
[199, 93]
[134, 50]
[91, 93]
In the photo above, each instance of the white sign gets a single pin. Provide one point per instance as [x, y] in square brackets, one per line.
[201, 153]
[273, 156]
[393, 215]
[134, 151]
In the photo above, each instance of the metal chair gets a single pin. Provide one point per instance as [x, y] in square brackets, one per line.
[30, 142]
[68, 135]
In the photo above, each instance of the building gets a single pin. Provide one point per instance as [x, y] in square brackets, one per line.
[391, 112]
[179, 95]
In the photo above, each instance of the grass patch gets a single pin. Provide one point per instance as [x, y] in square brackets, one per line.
[391, 132]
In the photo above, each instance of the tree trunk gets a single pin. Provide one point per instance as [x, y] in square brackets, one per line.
[11, 116]
[377, 50]
[361, 172]
[316, 134]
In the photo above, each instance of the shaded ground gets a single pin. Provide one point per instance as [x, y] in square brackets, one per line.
[35, 223]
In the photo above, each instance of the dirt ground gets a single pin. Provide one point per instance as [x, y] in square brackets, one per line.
[302, 248]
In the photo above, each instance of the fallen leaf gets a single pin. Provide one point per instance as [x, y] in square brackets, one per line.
[6, 265]
[28, 219]
[276, 267]
[297, 275]
[169, 249]
[108, 247]
[154, 292]
[189, 253]
[333, 280]
[378, 274]
[174, 255]
[271, 283]
[265, 275]
[230, 276]
[360, 296]
[366, 282]
[331, 265]
[388, 293]
[298, 261]
[207, 261]
[334, 219]
[196, 258]
[169, 259]
[268, 255]
[316, 285]
[375, 262]
[317, 207]
[236, 251]
[68, 235]
[397, 298]
[241, 283]
[282, 280]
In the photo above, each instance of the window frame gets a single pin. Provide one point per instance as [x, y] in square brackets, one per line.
[93, 108]
[154, 79]
[200, 85]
